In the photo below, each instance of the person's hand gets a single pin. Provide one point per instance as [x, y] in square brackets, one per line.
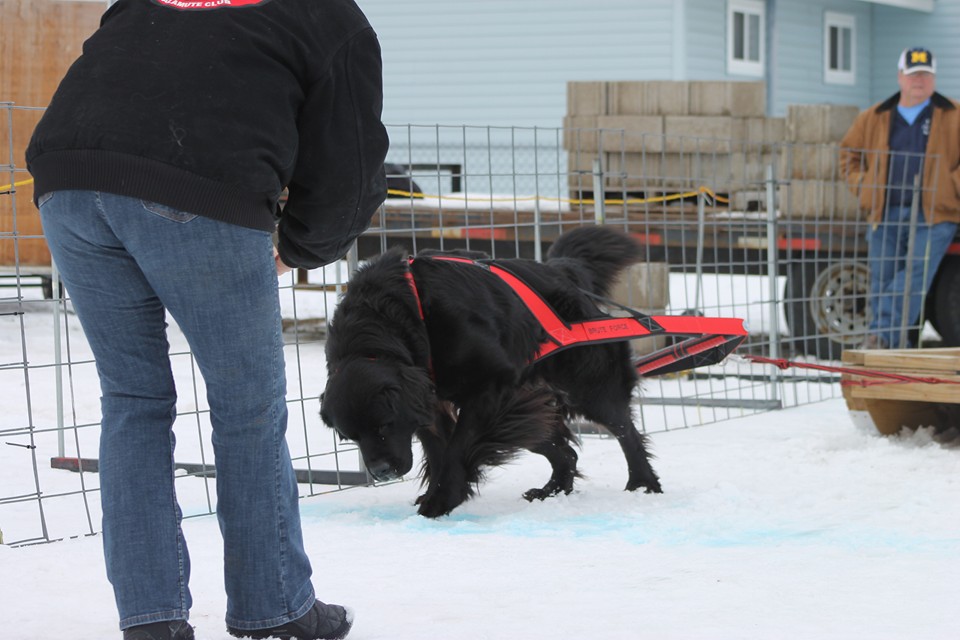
[281, 267]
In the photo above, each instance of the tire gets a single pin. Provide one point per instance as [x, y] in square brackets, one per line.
[945, 313]
[826, 305]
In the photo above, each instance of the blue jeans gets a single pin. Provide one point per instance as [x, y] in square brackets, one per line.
[125, 263]
[887, 254]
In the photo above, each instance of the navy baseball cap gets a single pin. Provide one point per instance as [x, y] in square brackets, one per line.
[916, 59]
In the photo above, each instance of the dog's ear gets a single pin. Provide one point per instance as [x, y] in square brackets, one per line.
[323, 414]
[419, 392]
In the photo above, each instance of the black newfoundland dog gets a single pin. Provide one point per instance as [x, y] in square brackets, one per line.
[442, 350]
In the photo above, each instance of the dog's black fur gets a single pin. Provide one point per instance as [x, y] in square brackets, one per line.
[460, 379]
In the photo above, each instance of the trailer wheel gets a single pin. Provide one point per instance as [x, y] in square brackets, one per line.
[826, 306]
[945, 315]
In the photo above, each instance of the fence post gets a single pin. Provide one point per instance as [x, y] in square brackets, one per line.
[701, 225]
[599, 195]
[353, 263]
[537, 233]
[58, 299]
[773, 272]
[911, 246]
[537, 237]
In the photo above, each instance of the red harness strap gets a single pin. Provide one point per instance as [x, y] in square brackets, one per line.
[413, 287]
[713, 338]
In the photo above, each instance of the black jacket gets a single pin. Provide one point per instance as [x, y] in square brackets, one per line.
[215, 110]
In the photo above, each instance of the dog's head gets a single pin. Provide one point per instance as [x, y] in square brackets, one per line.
[380, 405]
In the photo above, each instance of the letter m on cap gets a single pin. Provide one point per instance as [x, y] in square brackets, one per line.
[918, 57]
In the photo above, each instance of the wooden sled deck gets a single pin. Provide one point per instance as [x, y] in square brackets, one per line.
[893, 406]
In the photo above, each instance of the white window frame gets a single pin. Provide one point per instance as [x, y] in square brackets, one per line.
[740, 66]
[839, 21]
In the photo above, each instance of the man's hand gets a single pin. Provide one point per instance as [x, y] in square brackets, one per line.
[281, 267]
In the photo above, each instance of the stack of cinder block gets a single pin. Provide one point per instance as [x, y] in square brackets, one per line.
[665, 136]
[809, 164]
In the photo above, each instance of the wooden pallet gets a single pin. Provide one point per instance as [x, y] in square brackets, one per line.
[892, 407]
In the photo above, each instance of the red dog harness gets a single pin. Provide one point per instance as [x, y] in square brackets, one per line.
[709, 340]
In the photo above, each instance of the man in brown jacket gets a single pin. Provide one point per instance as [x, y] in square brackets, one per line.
[913, 135]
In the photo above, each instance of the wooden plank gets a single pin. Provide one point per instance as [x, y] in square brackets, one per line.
[914, 360]
[852, 356]
[916, 391]
[938, 351]
[946, 360]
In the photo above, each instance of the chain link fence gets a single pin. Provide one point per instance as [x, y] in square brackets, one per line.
[763, 230]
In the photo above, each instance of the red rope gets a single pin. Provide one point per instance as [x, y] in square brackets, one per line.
[886, 377]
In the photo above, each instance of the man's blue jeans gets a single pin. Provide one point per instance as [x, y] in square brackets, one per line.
[887, 253]
[124, 262]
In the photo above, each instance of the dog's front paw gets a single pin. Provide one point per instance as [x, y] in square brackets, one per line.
[434, 508]
[536, 494]
[652, 486]
[547, 491]
[439, 503]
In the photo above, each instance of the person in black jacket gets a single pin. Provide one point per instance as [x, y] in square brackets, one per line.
[158, 168]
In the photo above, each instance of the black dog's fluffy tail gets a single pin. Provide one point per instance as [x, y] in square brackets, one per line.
[602, 252]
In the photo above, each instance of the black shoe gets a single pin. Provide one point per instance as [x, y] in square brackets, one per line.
[169, 630]
[321, 622]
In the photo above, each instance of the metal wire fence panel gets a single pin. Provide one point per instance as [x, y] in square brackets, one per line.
[744, 226]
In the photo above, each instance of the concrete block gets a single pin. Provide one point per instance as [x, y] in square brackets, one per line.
[648, 98]
[720, 98]
[702, 134]
[819, 199]
[748, 168]
[580, 171]
[713, 170]
[765, 131]
[684, 171]
[729, 172]
[632, 171]
[586, 98]
[580, 162]
[651, 172]
[810, 162]
[819, 122]
[631, 133]
[646, 288]
[750, 200]
[580, 133]
[776, 130]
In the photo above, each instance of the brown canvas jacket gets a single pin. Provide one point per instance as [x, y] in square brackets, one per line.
[864, 158]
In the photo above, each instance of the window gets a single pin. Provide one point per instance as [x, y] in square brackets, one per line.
[745, 41]
[839, 40]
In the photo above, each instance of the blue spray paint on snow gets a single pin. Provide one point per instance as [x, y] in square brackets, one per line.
[657, 527]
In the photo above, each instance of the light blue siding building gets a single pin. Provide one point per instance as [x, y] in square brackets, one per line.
[507, 62]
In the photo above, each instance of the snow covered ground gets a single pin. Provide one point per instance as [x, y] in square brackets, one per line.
[789, 524]
[793, 524]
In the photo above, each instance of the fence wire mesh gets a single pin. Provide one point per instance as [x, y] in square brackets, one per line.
[753, 228]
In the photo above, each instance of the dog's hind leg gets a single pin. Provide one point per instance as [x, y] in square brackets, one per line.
[614, 416]
[633, 444]
[598, 383]
[563, 461]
